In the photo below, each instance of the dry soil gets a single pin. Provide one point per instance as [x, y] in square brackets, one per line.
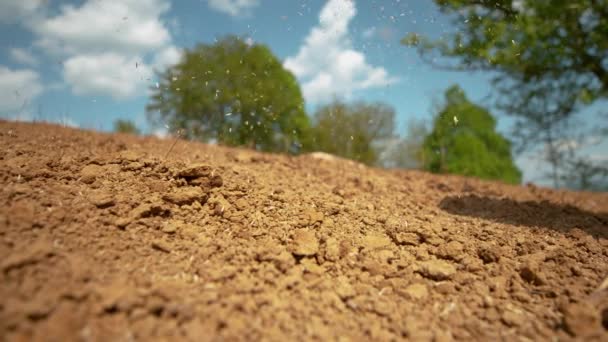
[105, 238]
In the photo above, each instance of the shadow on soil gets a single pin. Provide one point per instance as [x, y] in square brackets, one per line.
[533, 214]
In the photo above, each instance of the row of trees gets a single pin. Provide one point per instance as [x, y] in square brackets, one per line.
[238, 94]
[550, 61]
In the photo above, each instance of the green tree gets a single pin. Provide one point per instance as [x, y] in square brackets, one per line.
[353, 131]
[125, 126]
[548, 59]
[233, 93]
[464, 141]
[561, 44]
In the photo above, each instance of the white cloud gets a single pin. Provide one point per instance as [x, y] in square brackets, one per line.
[127, 26]
[234, 8]
[109, 47]
[22, 56]
[106, 74]
[14, 11]
[326, 62]
[167, 57]
[18, 88]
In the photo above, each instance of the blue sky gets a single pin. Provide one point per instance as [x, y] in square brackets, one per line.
[87, 63]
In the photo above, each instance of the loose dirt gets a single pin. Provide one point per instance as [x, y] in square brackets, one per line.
[102, 238]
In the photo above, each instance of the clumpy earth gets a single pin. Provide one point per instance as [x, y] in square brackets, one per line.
[120, 238]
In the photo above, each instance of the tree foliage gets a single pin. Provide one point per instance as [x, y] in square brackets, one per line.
[125, 126]
[464, 141]
[233, 93]
[561, 43]
[549, 59]
[353, 130]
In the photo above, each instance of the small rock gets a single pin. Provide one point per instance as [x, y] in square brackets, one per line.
[214, 181]
[344, 289]
[310, 266]
[452, 250]
[374, 267]
[472, 264]
[383, 307]
[581, 319]
[532, 274]
[146, 210]
[143, 210]
[133, 166]
[89, 173]
[445, 288]
[437, 269]
[194, 171]
[431, 238]
[313, 216]
[128, 155]
[512, 319]
[406, 238]
[488, 302]
[417, 291]
[161, 246]
[277, 254]
[332, 249]
[305, 243]
[122, 222]
[201, 175]
[385, 256]
[603, 285]
[376, 241]
[221, 207]
[241, 204]
[171, 227]
[489, 254]
[186, 196]
[101, 199]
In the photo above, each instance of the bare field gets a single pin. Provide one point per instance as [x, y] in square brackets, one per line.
[102, 238]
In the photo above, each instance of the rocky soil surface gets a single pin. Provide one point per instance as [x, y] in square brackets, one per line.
[107, 238]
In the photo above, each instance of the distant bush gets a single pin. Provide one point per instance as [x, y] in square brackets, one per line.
[125, 126]
[464, 141]
[354, 131]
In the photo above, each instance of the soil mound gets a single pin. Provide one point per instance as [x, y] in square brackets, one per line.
[103, 238]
